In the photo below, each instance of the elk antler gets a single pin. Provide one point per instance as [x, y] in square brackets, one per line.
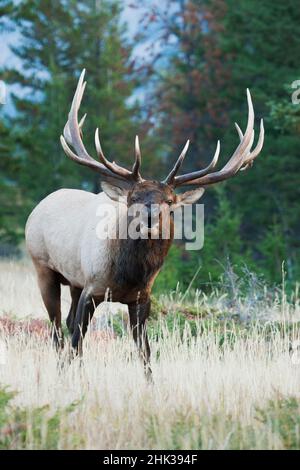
[72, 135]
[241, 159]
[248, 162]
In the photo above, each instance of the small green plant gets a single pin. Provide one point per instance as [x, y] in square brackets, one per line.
[30, 428]
[282, 417]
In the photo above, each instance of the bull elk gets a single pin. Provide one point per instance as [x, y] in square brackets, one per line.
[61, 230]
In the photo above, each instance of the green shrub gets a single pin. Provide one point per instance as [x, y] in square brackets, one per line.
[30, 428]
[282, 417]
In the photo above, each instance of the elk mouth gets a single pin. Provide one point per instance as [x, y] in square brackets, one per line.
[148, 230]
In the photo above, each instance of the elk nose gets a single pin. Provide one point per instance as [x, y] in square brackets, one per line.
[152, 214]
[147, 216]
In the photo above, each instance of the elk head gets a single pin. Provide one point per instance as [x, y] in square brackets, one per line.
[128, 186]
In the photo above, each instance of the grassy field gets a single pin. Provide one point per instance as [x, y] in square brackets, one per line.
[225, 373]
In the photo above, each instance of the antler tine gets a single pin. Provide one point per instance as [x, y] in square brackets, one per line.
[82, 121]
[138, 159]
[252, 155]
[72, 123]
[236, 160]
[171, 176]
[239, 159]
[67, 131]
[116, 169]
[240, 133]
[205, 170]
[72, 135]
[72, 129]
[66, 134]
[99, 148]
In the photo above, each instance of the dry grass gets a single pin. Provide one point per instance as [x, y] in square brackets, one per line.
[19, 292]
[223, 384]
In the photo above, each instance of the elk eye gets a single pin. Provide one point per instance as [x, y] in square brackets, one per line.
[169, 201]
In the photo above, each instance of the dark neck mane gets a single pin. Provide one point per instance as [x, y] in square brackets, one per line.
[137, 261]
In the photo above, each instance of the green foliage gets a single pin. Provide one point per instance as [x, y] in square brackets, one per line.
[117, 324]
[30, 428]
[273, 250]
[11, 200]
[278, 419]
[223, 241]
[282, 417]
[223, 246]
[172, 323]
[263, 44]
[5, 398]
[201, 431]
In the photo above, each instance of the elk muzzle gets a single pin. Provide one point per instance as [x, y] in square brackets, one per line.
[150, 221]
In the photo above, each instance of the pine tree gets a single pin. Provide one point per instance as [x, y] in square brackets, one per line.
[10, 197]
[192, 74]
[58, 40]
[262, 45]
[9, 165]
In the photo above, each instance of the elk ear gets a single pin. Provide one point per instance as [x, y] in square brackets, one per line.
[189, 197]
[114, 192]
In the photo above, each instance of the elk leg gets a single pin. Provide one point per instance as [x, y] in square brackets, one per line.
[50, 290]
[75, 295]
[138, 314]
[84, 313]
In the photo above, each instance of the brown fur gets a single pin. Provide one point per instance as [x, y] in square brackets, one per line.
[134, 267]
